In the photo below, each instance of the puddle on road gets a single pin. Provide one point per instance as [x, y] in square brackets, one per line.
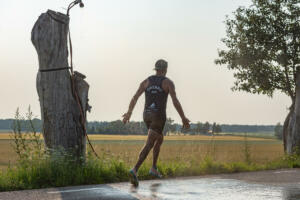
[217, 189]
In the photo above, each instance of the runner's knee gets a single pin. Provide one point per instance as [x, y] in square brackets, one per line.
[158, 144]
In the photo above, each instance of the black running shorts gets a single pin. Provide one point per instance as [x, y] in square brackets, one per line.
[155, 121]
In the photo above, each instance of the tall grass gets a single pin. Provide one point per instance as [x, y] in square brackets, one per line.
[27, 145]
[39, 168]
[247, 150]
[62, 172]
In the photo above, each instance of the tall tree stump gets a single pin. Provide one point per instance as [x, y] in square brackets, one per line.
[61, 115]
[292, 137]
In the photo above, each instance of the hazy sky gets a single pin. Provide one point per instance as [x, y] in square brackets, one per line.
[116, 43]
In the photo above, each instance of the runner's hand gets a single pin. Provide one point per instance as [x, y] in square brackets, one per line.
[126, 117]
[185, 123]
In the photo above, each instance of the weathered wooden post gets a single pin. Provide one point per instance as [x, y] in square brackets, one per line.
[293, 134]
[63, 122]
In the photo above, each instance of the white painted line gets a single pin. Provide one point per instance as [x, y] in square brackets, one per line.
[79, 190]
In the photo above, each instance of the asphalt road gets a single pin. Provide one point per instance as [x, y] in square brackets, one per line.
[263, 185]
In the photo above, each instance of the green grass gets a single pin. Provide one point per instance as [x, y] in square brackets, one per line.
[34, 171]
[60, 172]
[191, 155]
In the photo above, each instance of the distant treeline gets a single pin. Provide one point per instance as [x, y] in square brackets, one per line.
[8, 124]
[138, 128]
[247, 128]
[117, 128]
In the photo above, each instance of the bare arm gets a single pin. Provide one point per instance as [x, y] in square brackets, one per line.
[177, 105]
[133, 101]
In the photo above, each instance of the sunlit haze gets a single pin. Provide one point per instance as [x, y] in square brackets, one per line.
[116, 44]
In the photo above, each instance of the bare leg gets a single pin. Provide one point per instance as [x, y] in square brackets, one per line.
[156, 149]
[152, 136]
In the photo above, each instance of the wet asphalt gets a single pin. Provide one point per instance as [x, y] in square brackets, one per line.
[264, 185]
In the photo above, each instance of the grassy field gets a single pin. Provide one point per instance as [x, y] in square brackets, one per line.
[176, 149]
[180, 156]
[270, 135]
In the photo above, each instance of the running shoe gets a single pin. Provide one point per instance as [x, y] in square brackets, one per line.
[154, 172]
[133, 178]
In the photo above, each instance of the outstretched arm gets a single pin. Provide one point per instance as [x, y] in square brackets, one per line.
[177, 105]
[133, 101]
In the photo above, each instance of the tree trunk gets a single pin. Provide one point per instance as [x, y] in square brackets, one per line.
[285, 129]
[62, 120]
[292, 132]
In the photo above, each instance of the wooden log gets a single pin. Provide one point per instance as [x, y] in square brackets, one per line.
[60, 112]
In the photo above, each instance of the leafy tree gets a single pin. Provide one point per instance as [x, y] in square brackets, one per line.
[91, 130]
[199, 128]
[214, 127]
[218, 128]
[206, 128]
[263, 48]
[169, 126]
[278, 131]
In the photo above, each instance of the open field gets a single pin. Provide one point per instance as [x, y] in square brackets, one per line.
[4, 131]
[180, 156]
[254, 134]
[6, 136]
[176, 149]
